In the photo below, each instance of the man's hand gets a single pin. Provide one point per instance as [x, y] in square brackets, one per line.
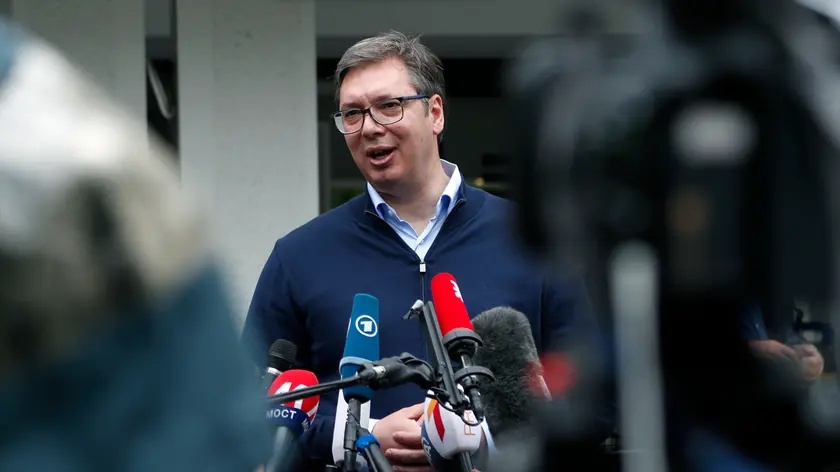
[805, 355]
[773, 349]
[411, 458]
[811, 361]
[399, 438]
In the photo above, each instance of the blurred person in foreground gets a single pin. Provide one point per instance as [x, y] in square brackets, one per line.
[117, 350]
[417, 218]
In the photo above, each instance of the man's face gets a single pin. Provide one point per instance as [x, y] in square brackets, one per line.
[409, 144]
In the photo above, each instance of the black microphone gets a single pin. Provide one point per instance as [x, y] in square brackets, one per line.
[281, 357]
[509, 351]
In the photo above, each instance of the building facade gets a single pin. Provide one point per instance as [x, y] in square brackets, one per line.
[240, 89]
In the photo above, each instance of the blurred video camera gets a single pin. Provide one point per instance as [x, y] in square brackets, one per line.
[688, 176]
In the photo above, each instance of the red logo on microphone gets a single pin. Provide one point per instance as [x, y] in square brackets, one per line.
[292, 380]
[433, 413]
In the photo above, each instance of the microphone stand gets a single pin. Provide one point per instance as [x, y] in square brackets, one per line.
[440, 360]
[369, 447]
[358, 439]
[461, 344]
[351, 433]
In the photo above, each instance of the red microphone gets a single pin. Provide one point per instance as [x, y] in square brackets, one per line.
[459, 338]
[292, 418]
[449, 304]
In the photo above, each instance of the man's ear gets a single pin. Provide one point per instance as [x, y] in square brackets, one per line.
[436, 114]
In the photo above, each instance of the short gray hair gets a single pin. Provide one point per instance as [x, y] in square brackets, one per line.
[425, 70]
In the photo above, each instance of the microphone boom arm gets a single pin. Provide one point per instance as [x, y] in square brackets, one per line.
[319, 389]
[385, 373]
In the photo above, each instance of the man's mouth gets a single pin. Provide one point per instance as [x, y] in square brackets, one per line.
[380, 155]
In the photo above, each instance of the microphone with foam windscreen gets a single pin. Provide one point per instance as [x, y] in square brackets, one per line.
[522, 416]
[281, 357]
[360, 348]
[510, 352]
[292, 419]
[459, 338]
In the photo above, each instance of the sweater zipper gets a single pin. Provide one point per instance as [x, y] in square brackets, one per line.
[423, 280]
[421, 263]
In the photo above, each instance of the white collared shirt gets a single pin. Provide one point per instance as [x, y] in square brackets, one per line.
[420, 243]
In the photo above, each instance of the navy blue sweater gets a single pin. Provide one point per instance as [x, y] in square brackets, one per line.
[305, 292]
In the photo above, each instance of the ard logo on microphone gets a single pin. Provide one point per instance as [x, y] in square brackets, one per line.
[366, 326]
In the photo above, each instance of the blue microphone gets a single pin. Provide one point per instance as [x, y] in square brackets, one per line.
[361, 346]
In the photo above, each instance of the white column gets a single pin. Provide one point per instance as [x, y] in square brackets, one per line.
[105, 38]
[248, 125]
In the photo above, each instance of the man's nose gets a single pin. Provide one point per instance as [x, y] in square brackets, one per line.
[370, 127]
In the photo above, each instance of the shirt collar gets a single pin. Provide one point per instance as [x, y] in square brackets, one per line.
[445, 203]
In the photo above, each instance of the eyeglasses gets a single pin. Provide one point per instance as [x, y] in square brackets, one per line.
[385, 112]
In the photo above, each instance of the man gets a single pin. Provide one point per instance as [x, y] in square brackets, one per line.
[417, 219]
[793, 348]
